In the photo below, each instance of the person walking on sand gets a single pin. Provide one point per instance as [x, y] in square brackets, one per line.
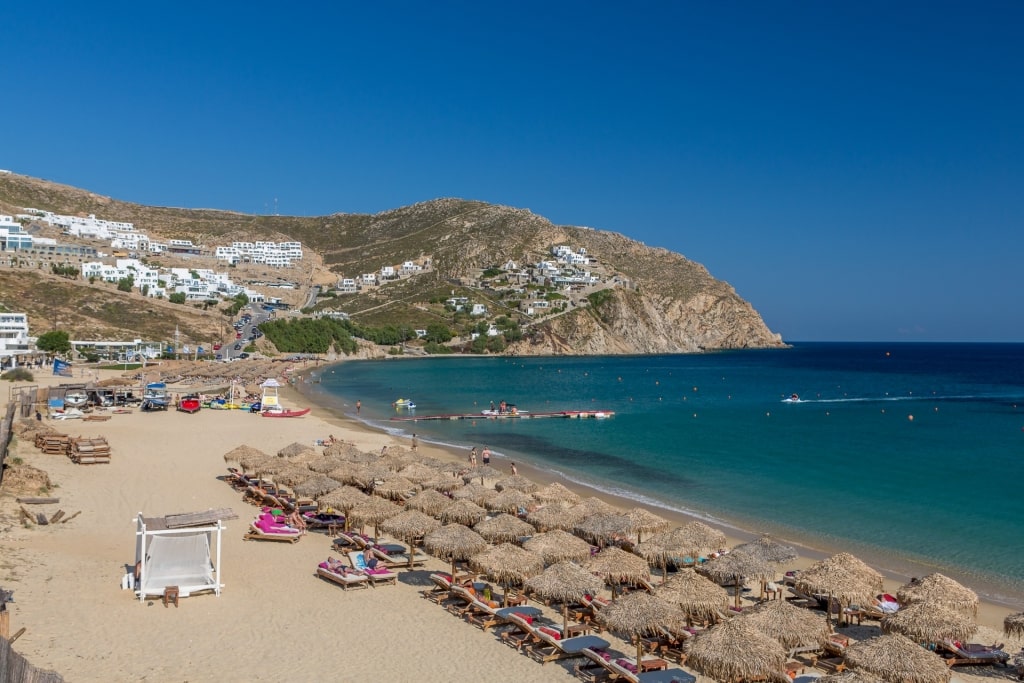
[359, 406]
[472, 456]
[415, 443]
[485, 455]
[513, 469]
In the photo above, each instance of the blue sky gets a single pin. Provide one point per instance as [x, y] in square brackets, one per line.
[854, 170]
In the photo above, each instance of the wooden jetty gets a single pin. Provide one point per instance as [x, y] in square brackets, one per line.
[577, 414]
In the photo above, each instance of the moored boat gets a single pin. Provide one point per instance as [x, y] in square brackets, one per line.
[75, 399]
[189, 404]
[278, 411]
[404, 403]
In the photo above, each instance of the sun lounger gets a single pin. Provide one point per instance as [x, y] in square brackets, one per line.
[974, 653]
[270, 534]
[548, 648]
[376, 575]
[343, 580]
[521, 632]
[624, 669]
[441, 590]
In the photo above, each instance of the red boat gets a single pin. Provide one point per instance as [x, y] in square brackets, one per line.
[277, 411]
[189, 404]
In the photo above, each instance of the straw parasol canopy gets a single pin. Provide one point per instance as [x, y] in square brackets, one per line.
[559, 546]
[517, 482]
[556, 493]
[849, 676]
[418, 473]
[938, 588]
[454, 542]
[768, 549]
[394, 487]
[408, 526]
[564, 582]
[366, 474]
[593, 506]
[664, 547]
[503, 528]
[552, 517]
[396, 460]
[373, 511]
[700, 598]
[507, 564]
[293, 449]
[617, 566]
[842, 576]
[603, 529]
[476, 492]
[316, 485]
[272, 465]
[898, 659]
[324, 464]
[929, 623]
[737, 566]
[245, 456]
[429, 501]
[481, 473]
[444, 483]
[344, 498]
[698, 537]
[788, 624]
[1013, 624]
[462, 512]
[639, 614]
[644, 520]
[510, 500]
[736, 650]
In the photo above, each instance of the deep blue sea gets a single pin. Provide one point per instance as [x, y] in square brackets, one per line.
[910, 455]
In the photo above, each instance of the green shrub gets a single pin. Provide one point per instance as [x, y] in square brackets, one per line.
[18, 375]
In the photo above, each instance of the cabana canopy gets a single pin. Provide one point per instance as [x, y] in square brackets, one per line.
[183, 556]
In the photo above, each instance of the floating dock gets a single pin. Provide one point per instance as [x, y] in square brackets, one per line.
[578, 414]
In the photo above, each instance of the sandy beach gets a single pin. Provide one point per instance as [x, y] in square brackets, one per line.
[275, 619]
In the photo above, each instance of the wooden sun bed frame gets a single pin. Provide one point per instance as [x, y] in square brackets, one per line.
[345, 581]
[258, 534]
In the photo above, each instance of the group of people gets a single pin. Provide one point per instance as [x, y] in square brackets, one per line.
[485, 456]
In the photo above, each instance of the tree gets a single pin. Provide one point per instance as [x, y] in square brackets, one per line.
[56, 341]
[438, 332]
[177, 298]
[125, 284]
[145, 290]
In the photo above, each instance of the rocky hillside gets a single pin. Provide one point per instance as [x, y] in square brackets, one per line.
[653, 300]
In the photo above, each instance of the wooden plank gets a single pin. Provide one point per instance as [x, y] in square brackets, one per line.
[68, 519]
[37, 501]
[57, 516]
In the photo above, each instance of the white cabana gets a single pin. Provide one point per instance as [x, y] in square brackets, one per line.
[184, 556]
[269, 397]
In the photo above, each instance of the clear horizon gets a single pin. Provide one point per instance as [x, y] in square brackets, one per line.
[854, 171]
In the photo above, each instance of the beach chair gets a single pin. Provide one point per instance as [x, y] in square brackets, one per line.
[344, 580]
[973, 653]
[399, 559]
[441, 590]
[281, 536]
[549, 645]
[459, 600]
[376, 575]
[624, 669]
[521, 632]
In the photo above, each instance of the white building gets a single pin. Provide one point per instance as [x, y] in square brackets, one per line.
[14, 339]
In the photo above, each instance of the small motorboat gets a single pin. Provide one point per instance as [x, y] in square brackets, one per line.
[793, 398]
[278, 411]
[189, 404]
[75, 399]
[404, 403]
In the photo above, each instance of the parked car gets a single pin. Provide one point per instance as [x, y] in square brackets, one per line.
[238, 347]
[216, 347]
[243, 355]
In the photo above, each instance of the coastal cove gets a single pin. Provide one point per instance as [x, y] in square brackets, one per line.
[904, 454]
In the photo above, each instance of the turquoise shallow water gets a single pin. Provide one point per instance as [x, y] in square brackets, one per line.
[905, 453]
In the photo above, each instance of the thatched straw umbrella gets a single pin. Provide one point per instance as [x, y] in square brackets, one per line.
[408, 526]
[640, 614]
[938, 588]
[475, 492]
[556, 493]
[603, 529]
[929, 622]
[317, 485]
[559, 546]
[699, 538]
[768, 549]
[245, 456]
[553, 517]
[396, 460]
[462, 512]
[367, 474]
[444, 483]
[664, 547]
[510, 500]
[517, 482]
[503, 528]
[344, 499]
[347, 473]
[737, 566]
[481, 473]
[324, 464]
[736, 650]
[849, 676]
[417, 473]
[788, 624]
[644, 520]
[454, 542]
[507, 564]
[699, 598]
[616, 566]
[373, 511]
[841, 576]
[394, 487]
[898, 659]
[293, 449]
[590, 507]
[565, 582]
[1013, 624]
[429, 501]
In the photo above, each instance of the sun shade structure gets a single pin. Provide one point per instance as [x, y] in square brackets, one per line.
[558, 546]
[444, 483]
[481, 473]
[409, 525]
[507, 564]
[475, 492]
[454, 542]
[769, 550]
[510, 500]
[616, 566]
[517, 482]
[603, 529]
[394, 487]
[737, 566]
[556, 493]
[245, 456]
[699, 538]
[373, 511]
[1013, 624]
[787, 624]
[293, 449]
[841, 576]
[929, 622]
[552, 517]
[187, 557]
[418, 473]
[344, 498]
[898, 659]
[462, 512]
[504, 527]
[849, 676]
[938, 588]
[564, 582]
[699, 598]
[316, 485]
[736, 650]
[429, 501]
[643, 521]
[640, 614]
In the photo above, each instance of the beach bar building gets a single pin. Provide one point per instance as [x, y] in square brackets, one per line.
[180, 553]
